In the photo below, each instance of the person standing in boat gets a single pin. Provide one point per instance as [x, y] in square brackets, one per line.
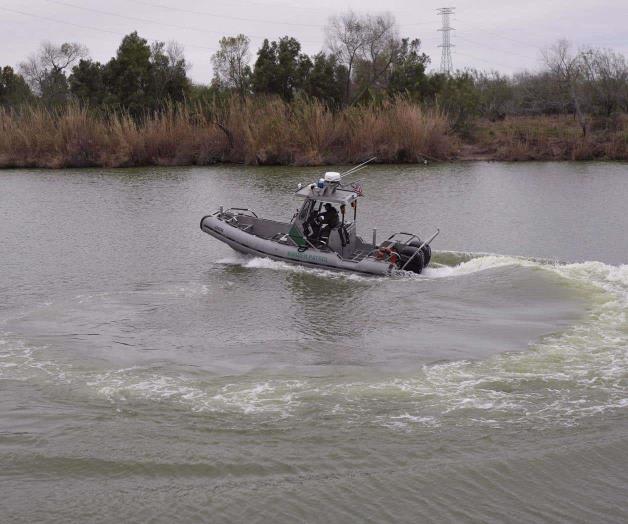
[329, 220]
[312, 225]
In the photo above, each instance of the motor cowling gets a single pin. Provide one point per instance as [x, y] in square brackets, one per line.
[427, 250]
[408, 252]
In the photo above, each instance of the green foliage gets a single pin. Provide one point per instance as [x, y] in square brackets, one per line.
[139, 78]
[457, 95]
[129, 75]
[168, 73]
[54, 88]
[281, 68]
[369, 64]
[265, 66]
[87, 82]
[326, 80]
[408, 71]
[13, 88]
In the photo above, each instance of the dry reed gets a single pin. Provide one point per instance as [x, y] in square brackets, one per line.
[251, 131]
[553, 138]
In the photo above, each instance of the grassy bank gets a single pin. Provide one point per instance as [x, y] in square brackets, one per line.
[270, 131]
[547, 138]
[266, 131]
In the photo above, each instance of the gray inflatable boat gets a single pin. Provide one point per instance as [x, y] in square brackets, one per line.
[312, 239]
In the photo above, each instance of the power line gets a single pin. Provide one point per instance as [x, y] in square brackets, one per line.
[299, 8]
[508, 52]
[527, 32]
[244, 19]
[146, 20]
[491, 62]
[498, 35]
[155, 22]
[166, 24]
[118, 33]
[227, 17]
[519, 42]
[282, 6]
[83, 26]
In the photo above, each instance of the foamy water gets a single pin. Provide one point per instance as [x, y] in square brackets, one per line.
[549, 381]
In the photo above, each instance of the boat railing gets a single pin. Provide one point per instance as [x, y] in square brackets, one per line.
[230, 215]
[388, 253]
[238, 211]
[410, 237]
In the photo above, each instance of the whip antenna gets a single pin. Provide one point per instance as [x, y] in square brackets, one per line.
[357, 168]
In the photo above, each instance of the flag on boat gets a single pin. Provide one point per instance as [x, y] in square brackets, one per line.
[357, 188]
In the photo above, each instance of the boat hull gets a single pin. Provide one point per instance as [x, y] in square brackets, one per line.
[250, 244]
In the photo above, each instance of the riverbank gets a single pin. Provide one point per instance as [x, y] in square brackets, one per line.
[302, 133]
[546, 138]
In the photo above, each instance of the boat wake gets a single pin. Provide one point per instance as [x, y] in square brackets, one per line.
[452, 264]
[561, 379]
[444, 264]
[248, 262]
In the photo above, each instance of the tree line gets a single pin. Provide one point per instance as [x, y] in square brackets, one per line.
[366, 61]
[139, 78]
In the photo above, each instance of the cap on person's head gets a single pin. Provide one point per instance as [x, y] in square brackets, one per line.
[328, 205]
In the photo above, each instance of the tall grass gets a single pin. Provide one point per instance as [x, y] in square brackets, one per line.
[251, 131]
[553, 138]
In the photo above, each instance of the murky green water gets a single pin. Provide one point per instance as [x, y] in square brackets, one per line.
[148, 373]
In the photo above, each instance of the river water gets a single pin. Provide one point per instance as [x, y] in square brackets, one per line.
[150, 374]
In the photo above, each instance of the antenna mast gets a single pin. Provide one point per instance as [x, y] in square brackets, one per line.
[445, 60]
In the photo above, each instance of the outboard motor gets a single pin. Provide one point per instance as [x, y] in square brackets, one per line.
[407, 252]
[427, 250]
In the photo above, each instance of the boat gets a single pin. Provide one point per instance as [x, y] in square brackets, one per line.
[307, 240]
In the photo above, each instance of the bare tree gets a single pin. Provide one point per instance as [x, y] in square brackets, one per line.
[231, 63]
[50, 60]
[33, 72]
[63, 56]
[568, 69]
[494, 92]
[606, 73]
[380, 49]
[367, 46]
[346, 39]
[538, 93]
[176, 55]
[170, 57]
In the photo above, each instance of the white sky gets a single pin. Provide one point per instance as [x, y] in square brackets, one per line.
[504, 35]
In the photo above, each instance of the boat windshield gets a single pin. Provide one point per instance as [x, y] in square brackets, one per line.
[312, 208]
[327, 194]
[307, 208]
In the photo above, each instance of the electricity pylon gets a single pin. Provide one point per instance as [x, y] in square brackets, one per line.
[445, 60]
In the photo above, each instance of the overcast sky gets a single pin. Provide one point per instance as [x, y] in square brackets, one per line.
[504, 35]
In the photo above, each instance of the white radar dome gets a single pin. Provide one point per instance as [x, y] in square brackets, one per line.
[332, 176]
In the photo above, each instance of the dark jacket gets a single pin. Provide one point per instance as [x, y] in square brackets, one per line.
[330, 218]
